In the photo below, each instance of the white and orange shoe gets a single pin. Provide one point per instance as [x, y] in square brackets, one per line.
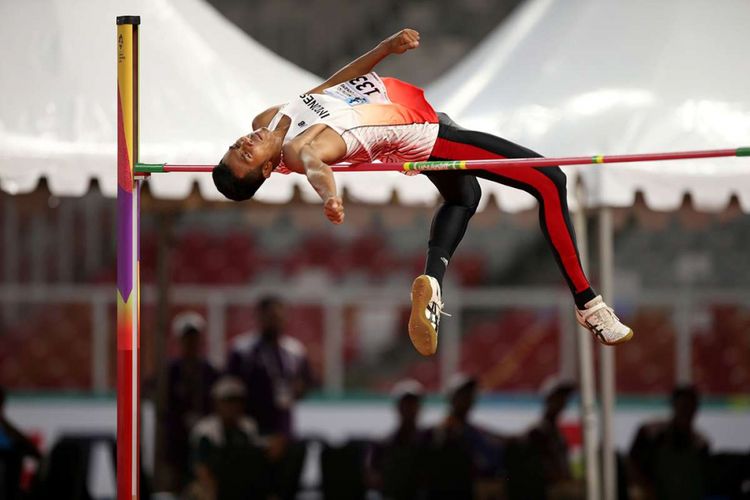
[426, 309]
[600, 319]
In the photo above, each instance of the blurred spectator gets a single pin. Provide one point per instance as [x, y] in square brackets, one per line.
[227, 460]
[547, 446]
[274, 368]
[14, 447]
[457, 451]
[342, 470]
[669, 458]
[189, 381]
[395, 463]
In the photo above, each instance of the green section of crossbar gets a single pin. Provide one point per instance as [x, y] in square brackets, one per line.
[434, 165]
[149, 168]
[743, 151]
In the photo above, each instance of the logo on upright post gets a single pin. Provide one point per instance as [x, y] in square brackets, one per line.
[120, 53]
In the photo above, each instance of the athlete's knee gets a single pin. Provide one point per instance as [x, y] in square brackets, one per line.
[471, 194]
[458, 189]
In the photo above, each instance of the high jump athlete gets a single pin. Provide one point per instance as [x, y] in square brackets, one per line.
[356, 116]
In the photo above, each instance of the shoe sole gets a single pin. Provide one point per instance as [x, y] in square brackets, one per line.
[423, 336]
[619, 341]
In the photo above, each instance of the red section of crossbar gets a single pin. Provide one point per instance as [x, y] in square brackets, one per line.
[511, 162]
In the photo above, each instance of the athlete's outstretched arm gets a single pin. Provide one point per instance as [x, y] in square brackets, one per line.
[404, 40]
[309, 153]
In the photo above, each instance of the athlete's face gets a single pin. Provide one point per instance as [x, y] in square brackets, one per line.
[251, 152]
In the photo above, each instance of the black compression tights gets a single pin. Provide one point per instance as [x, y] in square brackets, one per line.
[461, 194]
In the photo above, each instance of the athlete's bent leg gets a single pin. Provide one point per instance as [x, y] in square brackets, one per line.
[461, 195]
[548, 186]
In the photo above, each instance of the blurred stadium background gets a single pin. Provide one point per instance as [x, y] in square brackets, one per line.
[682, 276]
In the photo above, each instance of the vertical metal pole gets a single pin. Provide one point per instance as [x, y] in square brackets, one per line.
[607, 357]
[684, 340]
[159, 344]
[450, 344]
[99, 344]
[586, 365]
[128, 260]
[92, 204]
[568, 367]
[11, 261]
[65, 231]
[37, 244]
[333, 345]
[216, 329]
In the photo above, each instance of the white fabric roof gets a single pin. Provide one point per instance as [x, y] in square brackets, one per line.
[560, 76]
[202, 81]
[580, 77]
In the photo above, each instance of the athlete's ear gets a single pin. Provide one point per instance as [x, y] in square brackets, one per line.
[267, 168]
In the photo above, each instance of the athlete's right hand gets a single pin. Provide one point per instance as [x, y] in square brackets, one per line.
[404, 40]
[334, 209]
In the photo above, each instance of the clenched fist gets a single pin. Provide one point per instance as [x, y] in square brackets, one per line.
[334, 209]
[404, 40]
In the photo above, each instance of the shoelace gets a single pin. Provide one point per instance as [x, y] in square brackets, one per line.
[440, 306]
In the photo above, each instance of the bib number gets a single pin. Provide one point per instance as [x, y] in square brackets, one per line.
[364, 85]
[365, 89]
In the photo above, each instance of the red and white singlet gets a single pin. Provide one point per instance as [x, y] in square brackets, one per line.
[378, 118]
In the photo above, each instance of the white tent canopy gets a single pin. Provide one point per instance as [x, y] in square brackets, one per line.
[561, 76]
[201, 82]
[580, 77]
[585, 77]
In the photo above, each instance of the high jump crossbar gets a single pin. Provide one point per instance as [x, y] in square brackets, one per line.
[490, 164]
[130, 177]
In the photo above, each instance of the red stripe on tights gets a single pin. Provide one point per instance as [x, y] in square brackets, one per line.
[558, 230]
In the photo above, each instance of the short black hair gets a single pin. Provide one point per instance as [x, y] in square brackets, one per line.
[685, 390]
[266, 302]
[190, 331]
[236, 188]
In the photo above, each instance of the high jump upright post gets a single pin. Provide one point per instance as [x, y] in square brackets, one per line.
[128, 261]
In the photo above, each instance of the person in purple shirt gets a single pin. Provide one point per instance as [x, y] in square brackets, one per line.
[189, 381]
[274, 368]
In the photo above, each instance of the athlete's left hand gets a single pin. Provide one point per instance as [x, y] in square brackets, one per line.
[404, 40]
[334, 209]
